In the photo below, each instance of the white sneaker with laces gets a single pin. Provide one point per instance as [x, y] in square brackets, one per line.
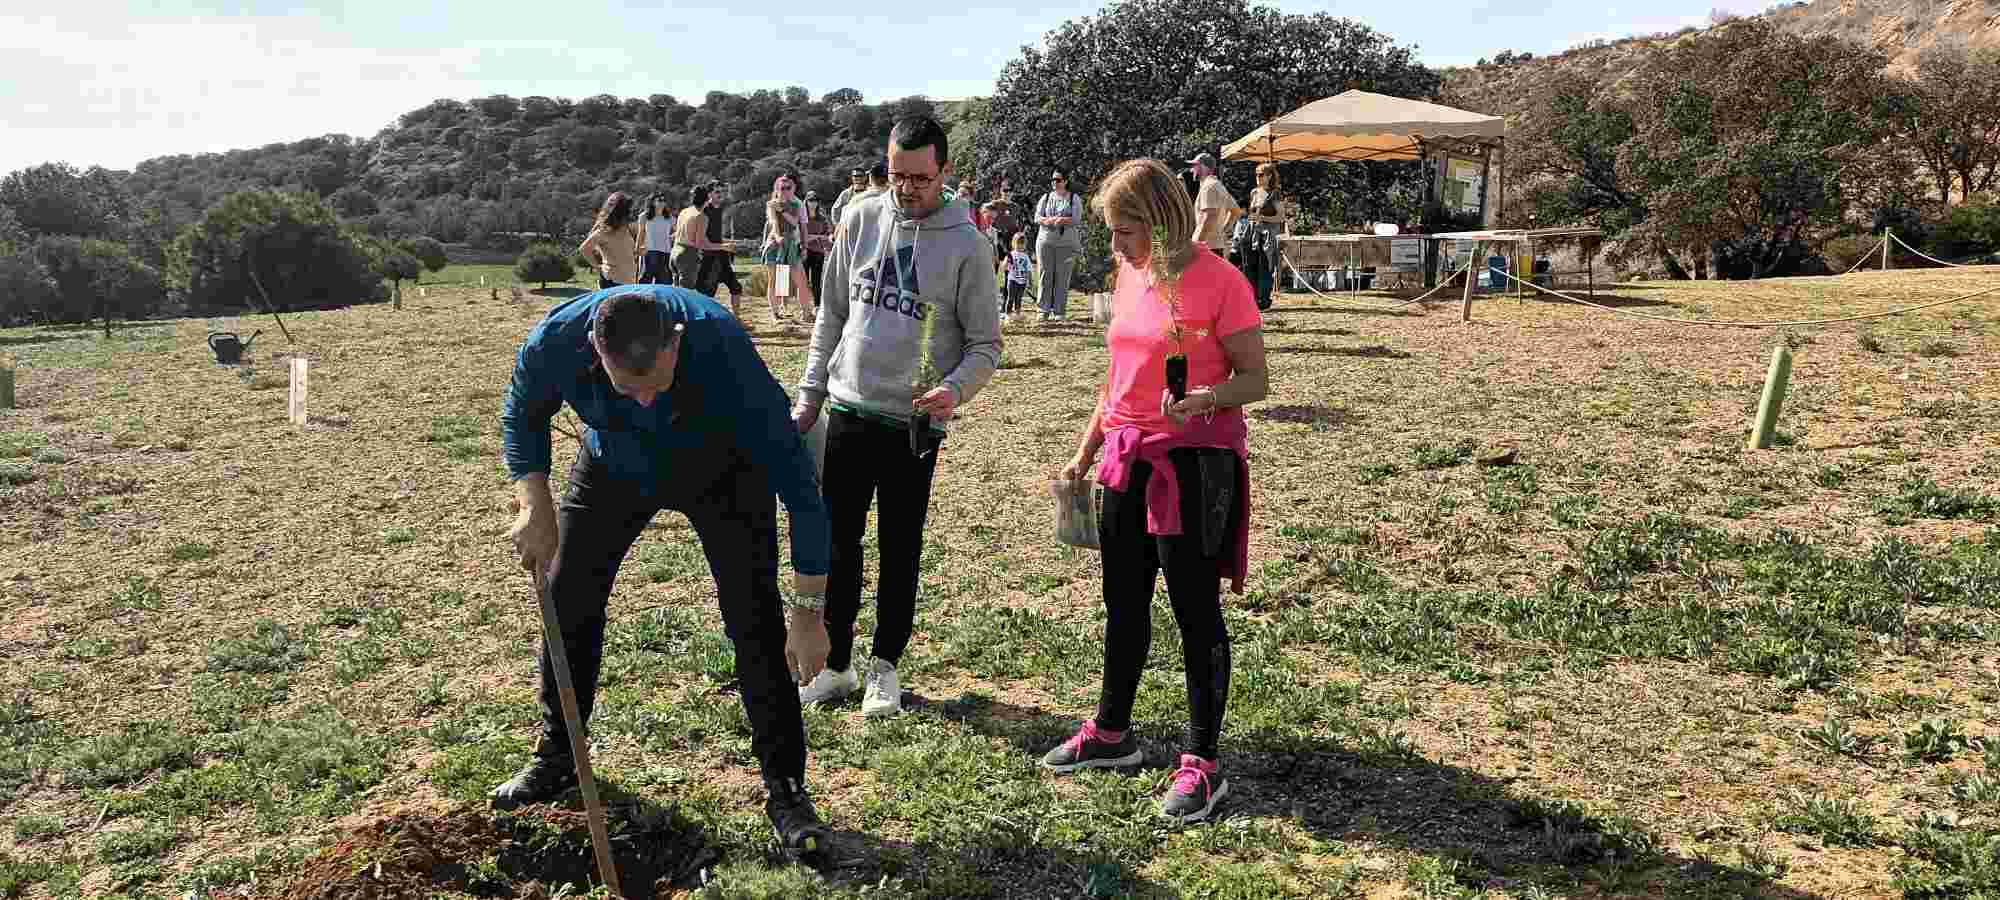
[884, 696]
[829, 685]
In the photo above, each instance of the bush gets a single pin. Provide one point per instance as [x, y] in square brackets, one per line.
[1972, 229]
[429, 251]
[301, 254]
[1842, 253]
[543, 263]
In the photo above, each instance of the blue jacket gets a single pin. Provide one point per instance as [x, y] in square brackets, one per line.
[722, 389]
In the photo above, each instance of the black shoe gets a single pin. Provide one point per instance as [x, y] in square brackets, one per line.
[793, 818]
[546, 777]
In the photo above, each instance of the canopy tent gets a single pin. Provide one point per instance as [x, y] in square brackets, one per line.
[1359, 126]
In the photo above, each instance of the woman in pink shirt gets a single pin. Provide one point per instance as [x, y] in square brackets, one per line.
[1175, 472]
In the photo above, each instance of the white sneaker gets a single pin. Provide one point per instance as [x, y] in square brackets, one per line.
[884, 696]
[829, 685]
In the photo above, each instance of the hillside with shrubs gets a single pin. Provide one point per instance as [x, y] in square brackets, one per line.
[1779, 144]
[479, 179]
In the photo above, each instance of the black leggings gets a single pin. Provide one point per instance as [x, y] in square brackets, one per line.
[864, 459]
[735, 517]
[1132, 562]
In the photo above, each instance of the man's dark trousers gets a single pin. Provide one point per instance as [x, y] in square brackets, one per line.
[734, 514]
[719, 269]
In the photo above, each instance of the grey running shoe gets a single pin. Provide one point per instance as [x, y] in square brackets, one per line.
[1198, 784]
[1086, 749]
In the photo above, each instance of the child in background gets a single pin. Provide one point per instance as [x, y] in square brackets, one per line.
[1018, 265]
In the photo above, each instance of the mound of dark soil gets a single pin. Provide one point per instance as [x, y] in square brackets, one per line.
[526, 854]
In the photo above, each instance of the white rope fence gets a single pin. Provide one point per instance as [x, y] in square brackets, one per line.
[1426, 296]
[1934, 259]
[1730, 324]
[1865, 257]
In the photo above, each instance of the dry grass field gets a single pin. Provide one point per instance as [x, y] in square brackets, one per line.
[247, 658]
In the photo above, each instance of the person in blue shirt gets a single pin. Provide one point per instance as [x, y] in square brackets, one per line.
[683, 415]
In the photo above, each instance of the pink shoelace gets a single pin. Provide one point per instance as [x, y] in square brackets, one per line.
[1087, 733]
[1193, 773]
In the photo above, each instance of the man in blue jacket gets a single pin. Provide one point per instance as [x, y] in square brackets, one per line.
[682, 415]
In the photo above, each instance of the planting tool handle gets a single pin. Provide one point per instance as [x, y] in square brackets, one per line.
[213, 336]
[579, 747]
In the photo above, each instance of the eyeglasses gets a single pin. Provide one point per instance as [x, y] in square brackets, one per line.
[1053, 179]
[919, 182]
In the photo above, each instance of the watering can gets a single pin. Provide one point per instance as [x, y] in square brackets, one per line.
[228, 347]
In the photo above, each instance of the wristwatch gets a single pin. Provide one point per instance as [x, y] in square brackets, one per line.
[809, 602]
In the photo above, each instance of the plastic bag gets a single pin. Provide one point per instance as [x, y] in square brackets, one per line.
[815, 438]
[1076, 514]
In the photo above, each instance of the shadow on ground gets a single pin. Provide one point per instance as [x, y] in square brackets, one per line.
[1375, 791]
[1371, 351]
[1406, 312]
[1317, 416]
[1283, 328]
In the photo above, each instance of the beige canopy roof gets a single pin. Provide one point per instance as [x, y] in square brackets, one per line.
[1358, 125]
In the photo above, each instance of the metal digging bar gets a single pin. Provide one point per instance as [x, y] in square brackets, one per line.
[250, 253]
[579, 747]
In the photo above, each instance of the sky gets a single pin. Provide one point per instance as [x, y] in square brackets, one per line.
[90, 82]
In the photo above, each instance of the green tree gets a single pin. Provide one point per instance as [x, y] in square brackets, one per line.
[96, 278]
[26, 291]
[55, 198]
[543, 263]
[429, 251]
[1170, 78]
[12, 235]
[1750, 140]
[1949, 118]
[288, 246]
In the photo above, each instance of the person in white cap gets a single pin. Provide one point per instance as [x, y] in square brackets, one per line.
[1214, 208]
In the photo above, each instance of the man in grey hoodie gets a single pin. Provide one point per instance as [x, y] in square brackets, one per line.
[908, 331]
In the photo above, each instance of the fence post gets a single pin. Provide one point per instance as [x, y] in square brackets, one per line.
[295, 408]
[1471, 278]
[6, 384]
[1888, 237]
[1774, 397]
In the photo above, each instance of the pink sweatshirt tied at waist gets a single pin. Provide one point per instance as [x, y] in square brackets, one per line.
[1127, 445]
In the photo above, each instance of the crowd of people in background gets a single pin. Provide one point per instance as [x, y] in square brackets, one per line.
[1037, 246]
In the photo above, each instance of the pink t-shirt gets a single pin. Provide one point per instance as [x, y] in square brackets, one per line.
[1216, 302]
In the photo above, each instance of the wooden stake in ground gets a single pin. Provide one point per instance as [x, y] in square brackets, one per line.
[296, 406]
[1471, 278]
[6, 384]
[1774, 397]
[1886, 232]
[579, 748]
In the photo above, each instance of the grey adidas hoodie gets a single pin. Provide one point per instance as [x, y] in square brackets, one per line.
[885, 273]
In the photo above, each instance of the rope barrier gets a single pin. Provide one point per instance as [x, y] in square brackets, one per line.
[1934, 259]
[1427, 295]
[1731, 324]
[1864, 257]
